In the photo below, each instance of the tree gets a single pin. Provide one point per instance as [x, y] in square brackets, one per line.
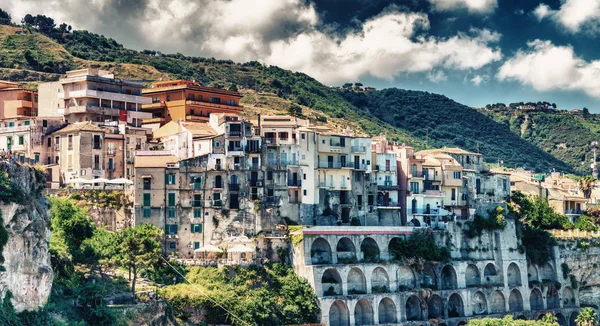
[5, 18]
[586, 185]
[587, 317]
[586, 111]
[509, 321]
[535, 212]
[138, 248]
[295, 110]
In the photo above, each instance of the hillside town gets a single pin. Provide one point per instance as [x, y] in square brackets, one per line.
[232, 190]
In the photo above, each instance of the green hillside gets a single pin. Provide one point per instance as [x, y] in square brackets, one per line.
[566, 135]
[405, 116]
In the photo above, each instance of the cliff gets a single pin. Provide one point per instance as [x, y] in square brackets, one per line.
[26, 269]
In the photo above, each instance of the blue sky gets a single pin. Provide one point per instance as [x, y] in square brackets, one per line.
[473, 51]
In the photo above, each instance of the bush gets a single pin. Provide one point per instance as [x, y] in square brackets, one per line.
[496, 221]
[586, 223]
[537, 244]
[420, 245]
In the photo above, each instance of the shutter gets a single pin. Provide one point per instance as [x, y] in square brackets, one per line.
[192, 228]
[200, 228]
[175, 225]
[167, 229]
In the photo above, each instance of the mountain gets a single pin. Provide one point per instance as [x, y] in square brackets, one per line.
[404, 116]
[566, 135]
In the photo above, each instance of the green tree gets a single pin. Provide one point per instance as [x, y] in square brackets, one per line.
[586, 223]
[295, 110]
[587, 317]
[509, 321]
[70, 224]
[586, 185]
[537, 213]
[5, 18]
[138, 248]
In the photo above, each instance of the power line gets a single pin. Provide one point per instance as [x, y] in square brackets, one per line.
[204, 294]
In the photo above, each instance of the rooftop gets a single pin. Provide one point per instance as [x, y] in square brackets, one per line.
[179, 84]
[154, 161]
[78, 127]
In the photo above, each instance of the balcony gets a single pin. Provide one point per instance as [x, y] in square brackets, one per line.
[196, 203]
[218, 185]
[237, 133]
[575, 212]
[250, 149]
[271, 141]
[91, 109]
[217, 203]
[290, 162]
[357, 166]
[212, 105]
[234, 187]
[271, 199]
[325, 185]
[433, 193]
[388, 205]
[235, 151]
[358, 149]
[387, 185]
[109, 96]
[423, 211]
[294, 183]
[15, 129]
[155, 105]
[335, 165]
[256, 182]
[254, 166]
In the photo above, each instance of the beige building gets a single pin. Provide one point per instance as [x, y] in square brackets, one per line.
[26, 137]
[16, 102]
[93, 95]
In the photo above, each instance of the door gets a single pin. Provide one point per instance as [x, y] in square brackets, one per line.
[356, 162]
[330, 161]
[343, 161]
[295, 179]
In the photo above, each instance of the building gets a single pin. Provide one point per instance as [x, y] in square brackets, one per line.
[16, 102]
[187, 101]
[386, 176]
[26, 137]
[93, 95]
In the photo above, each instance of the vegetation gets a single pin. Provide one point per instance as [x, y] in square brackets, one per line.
[262, 295]
[586, 185]
[509, 321]
[419, 246]
[496, 221]
[587, 317]
[535, 212]
[586, 223]
[537, 243]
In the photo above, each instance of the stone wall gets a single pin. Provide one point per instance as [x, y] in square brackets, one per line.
[28, 272]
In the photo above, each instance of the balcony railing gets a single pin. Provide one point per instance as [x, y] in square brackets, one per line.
[218, 185]
[357, 166]
[234, 187]
[196, 203]
[573, 212]
[254, 166]
[423, 211]
[234, 134]
[358, 149]
[388, 204]
[294, 183]
[335, 165]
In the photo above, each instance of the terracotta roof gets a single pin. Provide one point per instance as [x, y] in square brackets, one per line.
[78, 127]
[154, 161]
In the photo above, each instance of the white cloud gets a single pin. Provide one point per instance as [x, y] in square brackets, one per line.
[573, 15]
[479, 79]
[547, 67]
[437, 76]
[283, 33]
[473, 6]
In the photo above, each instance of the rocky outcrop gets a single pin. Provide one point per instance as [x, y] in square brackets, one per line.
[26, 271]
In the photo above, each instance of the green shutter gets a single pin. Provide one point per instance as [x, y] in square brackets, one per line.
[147, 199]
[199, 228]
[175, 229]
[171, 199]
[167, 228]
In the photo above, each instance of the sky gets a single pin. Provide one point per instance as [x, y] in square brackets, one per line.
[473, 51]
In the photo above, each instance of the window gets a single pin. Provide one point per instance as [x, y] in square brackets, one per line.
[230, 102]
[171, 229]
[172, 245]
[304, 191]
[269, 175]
[414, 187]
[215, 100]
[370, 199]
[171, 199]
[197, 182]
[270, 192]
[216, 196]
[70, 141]
[360, 201]
[49, 141]
[453, 194]
[56, 160]
[171, 212]
[11, 124]
[196, 228]
[21, 140]
[197, 202]
[196, 245]
[147, 183]
[26, 123]
[456, 175]
[147, 198]
[44, 123]
[197, 213]
[111, 164]
[304, 176]
[413, 170]
[36, 157]
[302, 135]
[49, 161]
[97, 144]
[168, 98]
[96, 162]
[170, 179]
[387, 165]
[146, 212]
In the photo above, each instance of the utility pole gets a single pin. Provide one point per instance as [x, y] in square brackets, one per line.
[594, 166]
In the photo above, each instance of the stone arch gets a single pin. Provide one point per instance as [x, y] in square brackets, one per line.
[472, 276]
[331, 282]
[573, 318]
[387, 311]
[560, 318]
[357, 283]
[456, 307]
[515, 301]
[369, 249]
[552, 297]
[413, 308]
[569, 297]
[394, 243]
[435, 307]
[363, 313]
[513, 275]
[490, 274]
[521, 317]
[532, 273]
[547, 272]
[428, 277]
[380, 281]
[406, 278]
[346, 251]
[339, 314]
[497, 303]
[449, 277]
[320, 252]
[536, 302]
[479, 303]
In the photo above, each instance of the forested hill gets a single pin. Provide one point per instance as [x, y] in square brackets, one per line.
[448, 123]
[42, 51]
[566, 135]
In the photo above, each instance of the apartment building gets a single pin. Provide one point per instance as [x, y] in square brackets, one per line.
[386, 176]
[93, 95]
[16, 102]
[186, 139]
[186, 100]
[25, 137]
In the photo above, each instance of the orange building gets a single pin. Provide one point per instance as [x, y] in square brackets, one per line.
[16, 102]
[187, 100]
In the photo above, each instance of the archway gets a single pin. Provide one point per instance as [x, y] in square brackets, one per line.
[435, 307]
[356, 282]
[532, 273]
[413, 309]
[331, 282]
[448, 277]
[560, 318]
[339, 314]
[320, 252]
[479, 303]
[569, 297]
[547, 273]
[428, 278]
[490, 274]
[370, 250]
[472, 276]
[393, 246]
[513, 275]
[536, 302]
[455, 306]
[363, 313]
[515, 301]
[497, 303]
[552, 297]
[346, 251]
[573, 318]
[380, 282]
[387, 311]
[406, 279]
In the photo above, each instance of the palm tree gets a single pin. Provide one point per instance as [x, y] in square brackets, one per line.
[586, 184]
[587, 317]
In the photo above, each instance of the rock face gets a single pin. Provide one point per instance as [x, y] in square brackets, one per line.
[28, 273]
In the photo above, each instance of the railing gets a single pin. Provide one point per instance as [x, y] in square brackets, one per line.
[15, 128]
[356, 166]
[196, 203]
[335, 165]
[234, 187]
[218, 185]
[573, 212]
[271, 199]
[325, 184]
[270, 141]
[574, 234]
[433, 192]
[423, 211]
[254, 166]
[294, 183]
[289, 162]
[250, 149]
[358, 149]
[388, 204]
[234, 134]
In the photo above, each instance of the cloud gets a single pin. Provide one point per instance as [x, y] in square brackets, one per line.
[546, 67]
[473, 6]
[286, 33]
[573, 15]
[479, 79]
[437, 76]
